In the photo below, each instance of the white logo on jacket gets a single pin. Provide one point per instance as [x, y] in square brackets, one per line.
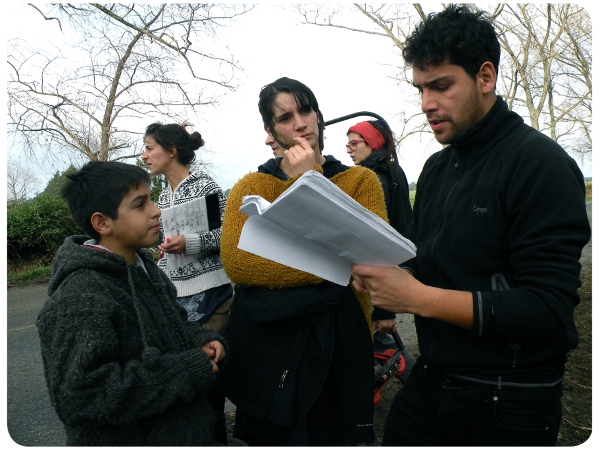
[479, 210]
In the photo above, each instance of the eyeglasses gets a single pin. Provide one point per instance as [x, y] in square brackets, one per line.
[352, 144]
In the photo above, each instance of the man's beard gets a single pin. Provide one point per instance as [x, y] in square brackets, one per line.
[473, 114]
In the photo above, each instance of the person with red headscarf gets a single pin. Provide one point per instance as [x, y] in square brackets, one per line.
[371, 145]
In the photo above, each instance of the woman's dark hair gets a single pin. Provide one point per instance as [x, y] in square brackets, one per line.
[459, 33]
[305, 99]
[388, 135]
[175, 135]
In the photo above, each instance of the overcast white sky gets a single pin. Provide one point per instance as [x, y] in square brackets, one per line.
[347, 71]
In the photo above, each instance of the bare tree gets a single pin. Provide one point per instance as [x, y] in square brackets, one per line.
[547, 69]
[545, 73]
[21, 182]
[392, 21]
[121, 62]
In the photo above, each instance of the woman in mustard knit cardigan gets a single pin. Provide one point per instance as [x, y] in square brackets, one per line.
[301, 362]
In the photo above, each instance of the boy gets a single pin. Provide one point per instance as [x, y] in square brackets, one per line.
[122, 364]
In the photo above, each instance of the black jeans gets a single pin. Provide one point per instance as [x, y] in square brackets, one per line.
[428, 412]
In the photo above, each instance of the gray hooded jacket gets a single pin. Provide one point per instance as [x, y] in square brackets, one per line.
[122, 364]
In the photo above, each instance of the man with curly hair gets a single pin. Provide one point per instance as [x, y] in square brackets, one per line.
[499, 222]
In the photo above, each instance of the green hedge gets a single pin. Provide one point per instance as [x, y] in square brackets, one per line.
[38, 227]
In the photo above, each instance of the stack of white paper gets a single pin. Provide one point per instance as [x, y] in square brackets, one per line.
[317, 228]
[185, 218]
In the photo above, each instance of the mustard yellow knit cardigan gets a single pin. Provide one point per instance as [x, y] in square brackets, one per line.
[245, 268]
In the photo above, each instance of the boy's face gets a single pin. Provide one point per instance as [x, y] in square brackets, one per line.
[136, 225]
[291, 122]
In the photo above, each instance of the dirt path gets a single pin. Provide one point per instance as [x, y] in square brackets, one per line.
[576, 425]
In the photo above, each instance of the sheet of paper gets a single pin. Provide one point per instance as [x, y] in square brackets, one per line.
[266, 239]
[186, 218]
[316, 211]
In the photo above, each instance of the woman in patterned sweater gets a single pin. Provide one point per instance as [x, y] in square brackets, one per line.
[203, 288]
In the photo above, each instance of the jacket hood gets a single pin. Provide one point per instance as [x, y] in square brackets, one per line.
[272, 168]
[331, 167]
[71, 256]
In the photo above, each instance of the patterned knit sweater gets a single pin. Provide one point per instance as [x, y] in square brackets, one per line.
[248, 269]
[122, 363]
[206, 271]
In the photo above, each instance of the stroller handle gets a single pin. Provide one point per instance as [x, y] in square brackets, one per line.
[356, 114]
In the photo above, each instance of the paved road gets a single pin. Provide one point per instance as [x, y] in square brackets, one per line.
[31, 421]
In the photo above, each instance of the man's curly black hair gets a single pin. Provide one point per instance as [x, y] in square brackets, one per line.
[461, 34]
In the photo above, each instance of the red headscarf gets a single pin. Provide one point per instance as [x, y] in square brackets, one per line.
[370, 134]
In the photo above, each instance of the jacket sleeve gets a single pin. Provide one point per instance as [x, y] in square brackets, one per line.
[545, 206]
[200, 335]
[365, 188]
[89, 382]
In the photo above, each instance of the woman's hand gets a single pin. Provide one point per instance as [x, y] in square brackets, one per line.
[301, 157]
[176, 244]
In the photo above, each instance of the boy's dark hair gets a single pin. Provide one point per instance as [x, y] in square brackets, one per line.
[175, 135]
[460, 33]
[305, 99]
[100, 187]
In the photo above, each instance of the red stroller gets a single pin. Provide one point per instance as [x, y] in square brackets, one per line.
[390, 363]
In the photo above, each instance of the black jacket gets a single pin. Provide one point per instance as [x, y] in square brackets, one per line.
[395, 189]
[297, 338]
[397, 201]
[502, 214]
